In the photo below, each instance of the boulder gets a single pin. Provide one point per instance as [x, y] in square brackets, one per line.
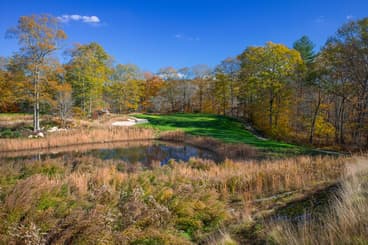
[40, 135]
[53, 129]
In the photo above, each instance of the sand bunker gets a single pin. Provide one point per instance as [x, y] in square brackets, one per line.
[130, 122]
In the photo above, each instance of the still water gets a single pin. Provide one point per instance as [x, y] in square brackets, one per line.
[130, 152]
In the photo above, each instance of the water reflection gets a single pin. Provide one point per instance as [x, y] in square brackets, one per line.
[132, 152]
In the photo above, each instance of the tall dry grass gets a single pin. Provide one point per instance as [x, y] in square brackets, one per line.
[11, 120]
[224, 150]
[66, 204]
[345, 222]
[88, 200]
[77, 148]
[259, 179]
[77, 137]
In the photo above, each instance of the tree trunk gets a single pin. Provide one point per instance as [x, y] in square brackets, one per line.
[339, 124]
[200, 99]
[90, 106]
[342, 111]
[361, 112]
[224, 101]
[184, 99]
[315, 114]
[232, 95]
[277, 113]
[270, 110]
[36, 105]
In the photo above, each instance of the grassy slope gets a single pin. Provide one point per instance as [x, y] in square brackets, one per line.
[219, 127]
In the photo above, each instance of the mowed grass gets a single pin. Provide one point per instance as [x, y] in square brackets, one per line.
[219, 127]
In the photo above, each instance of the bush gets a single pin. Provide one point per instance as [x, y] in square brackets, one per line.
[9, 133]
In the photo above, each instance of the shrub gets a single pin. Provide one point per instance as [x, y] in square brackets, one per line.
[9, 133]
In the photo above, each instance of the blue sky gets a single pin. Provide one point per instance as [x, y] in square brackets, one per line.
[154, 34]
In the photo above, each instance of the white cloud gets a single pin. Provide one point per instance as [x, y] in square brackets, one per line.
[185, 37]
[73, 17]
[91, 19]
[76, 17]
[349, 17]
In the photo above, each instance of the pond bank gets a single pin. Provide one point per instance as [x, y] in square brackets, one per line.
[76, 137]
[148, 152]
[85, 139]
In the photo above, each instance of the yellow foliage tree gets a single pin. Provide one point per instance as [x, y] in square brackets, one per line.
[266, 73]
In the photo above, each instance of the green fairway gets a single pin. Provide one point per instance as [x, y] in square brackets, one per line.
[219, 127]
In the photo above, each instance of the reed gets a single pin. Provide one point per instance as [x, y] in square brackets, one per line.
[77, 137]
[345, 222]
[253, 180]
[85, 199]
[77, 148]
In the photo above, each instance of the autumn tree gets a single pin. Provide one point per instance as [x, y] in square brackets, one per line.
[62, 93]
[125, 88]
[64, 101]
[88, 71]
[17, 87]
[229, 70]
[335, 97]
[187, 88]
[151, 88]
[312, 109]
[8, 86]
[346, 56]
[316, 98]
[202, 74]
[222, 91]
[7, 95]
[267, 72]
[169, 94]
[308, 90]
[38, 37]
[127, 72]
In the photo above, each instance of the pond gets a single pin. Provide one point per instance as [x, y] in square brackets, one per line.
[146, 152]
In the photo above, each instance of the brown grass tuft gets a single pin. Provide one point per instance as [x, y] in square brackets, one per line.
[77, 137]
[346, 221]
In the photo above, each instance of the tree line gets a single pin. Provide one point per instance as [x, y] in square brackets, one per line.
[296, 94]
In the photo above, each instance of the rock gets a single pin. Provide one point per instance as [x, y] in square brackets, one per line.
[56, 129]
[40, 135]
[53, 129]
[30, 136]
[106, 111]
